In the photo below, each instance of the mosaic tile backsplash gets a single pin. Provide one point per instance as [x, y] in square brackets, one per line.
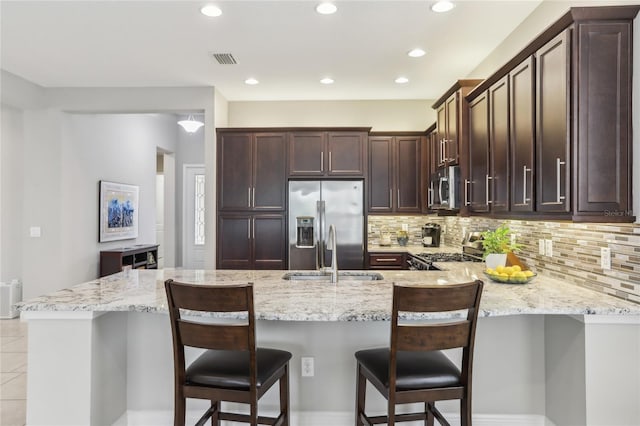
[576, 247]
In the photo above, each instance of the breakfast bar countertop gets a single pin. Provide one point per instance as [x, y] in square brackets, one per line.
[347, 300]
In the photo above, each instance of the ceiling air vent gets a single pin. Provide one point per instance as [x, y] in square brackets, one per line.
[224, 58]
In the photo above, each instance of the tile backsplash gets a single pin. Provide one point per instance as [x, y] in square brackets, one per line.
[576, 247]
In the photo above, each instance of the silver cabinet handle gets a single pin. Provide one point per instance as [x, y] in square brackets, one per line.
[559, 197]
[390, 198]
[525, 200]
[430, 195]
[253, 196]
[442, 153]
[488, 178]
[322, 161]
[386, 259]
[248, 229]
[249, 196]
[253, 228]
[330, 169]
[398, 200]
[467, 182]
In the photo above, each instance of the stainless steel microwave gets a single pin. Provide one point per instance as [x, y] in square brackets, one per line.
[444, 189]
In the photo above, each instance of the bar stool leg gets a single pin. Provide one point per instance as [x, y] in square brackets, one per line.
[361, 391]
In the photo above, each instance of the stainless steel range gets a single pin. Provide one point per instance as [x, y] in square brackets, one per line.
[424, 261]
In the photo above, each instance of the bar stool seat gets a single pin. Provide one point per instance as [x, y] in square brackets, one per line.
[230, 369]
[416, 370]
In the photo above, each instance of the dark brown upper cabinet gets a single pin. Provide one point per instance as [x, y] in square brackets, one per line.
[522, 143]
[327, 153]
[451, 111]
[553, 140]
[394, 173]
[499, 145]
[251, 171]
[570, 118]
[476, 192]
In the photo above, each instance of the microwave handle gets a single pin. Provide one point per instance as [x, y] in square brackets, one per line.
[440, 189]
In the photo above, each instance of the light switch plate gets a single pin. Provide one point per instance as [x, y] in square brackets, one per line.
[405, 227]
[548, 247]
[605, 258]
[35, 232]
[541, 247]
[513, 239]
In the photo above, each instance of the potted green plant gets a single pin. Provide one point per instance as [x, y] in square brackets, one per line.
[496, 245]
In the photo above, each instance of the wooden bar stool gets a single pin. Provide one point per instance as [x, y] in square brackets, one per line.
[413, 369]
[232, 368]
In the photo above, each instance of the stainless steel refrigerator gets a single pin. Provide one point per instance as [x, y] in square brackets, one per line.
[313, 207]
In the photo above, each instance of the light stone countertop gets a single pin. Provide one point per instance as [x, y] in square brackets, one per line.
[348, 300]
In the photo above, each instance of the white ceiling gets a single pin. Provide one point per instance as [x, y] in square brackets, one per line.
[286, 45]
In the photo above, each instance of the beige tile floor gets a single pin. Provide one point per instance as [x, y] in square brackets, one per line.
[13, 372]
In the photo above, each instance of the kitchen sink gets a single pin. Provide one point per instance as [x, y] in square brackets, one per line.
[326, 276]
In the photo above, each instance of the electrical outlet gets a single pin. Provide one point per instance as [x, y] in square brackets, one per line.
[541, 247]
[513, 239]
[548, 247]
[307, 366]
[605, 257]
[464, 231]
[405, 227]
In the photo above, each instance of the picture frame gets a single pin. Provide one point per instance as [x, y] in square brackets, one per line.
[118, 211]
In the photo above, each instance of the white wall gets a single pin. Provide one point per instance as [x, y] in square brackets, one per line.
[390, 115]
[11, 184]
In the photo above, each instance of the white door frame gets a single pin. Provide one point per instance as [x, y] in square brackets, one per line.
[188, 170]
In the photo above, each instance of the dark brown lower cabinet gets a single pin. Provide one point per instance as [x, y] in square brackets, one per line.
[252, 241]
[385, 260]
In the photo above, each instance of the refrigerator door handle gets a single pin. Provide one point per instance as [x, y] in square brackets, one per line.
[319, 245]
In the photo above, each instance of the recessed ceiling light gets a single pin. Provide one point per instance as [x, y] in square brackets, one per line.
[402, 80]
[211, 11]
[251, 81]
[326, 8]
[326, 80]
[416, 53]
[442, 6]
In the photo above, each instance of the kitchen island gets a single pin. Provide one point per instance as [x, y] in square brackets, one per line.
[100, 352]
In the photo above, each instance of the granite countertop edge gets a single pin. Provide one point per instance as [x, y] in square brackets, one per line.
[347, 301]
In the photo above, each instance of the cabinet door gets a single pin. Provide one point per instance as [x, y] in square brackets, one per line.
[306, 154]
[269, 171]
[441, 135]
[234, 236]
[407, 166]
[451, 143]
[499, 144]
[479, 154]
[234, 171]
[346, 153]
[380, 174]
[552, 130]
[603, 135]
[269, 241]
[521, 105]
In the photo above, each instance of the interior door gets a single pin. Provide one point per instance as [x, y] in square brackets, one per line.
[193, 232]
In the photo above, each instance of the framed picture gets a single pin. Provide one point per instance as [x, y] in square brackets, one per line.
[118, 211]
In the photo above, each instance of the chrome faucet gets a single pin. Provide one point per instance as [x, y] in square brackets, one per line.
[333, 246]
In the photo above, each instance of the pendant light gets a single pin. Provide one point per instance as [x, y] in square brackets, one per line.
[190, 125]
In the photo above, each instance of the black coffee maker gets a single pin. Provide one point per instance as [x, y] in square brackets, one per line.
[431, 235]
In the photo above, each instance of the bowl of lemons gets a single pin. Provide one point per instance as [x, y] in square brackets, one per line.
[509, 275]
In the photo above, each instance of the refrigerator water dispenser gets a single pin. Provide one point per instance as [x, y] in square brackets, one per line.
[305, 232]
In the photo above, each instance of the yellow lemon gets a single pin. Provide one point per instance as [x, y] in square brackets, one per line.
[528, 274]
[500, 269]
[519, 274]
[490, 271]
[508, 270]
[516, 268]
[503, 275]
